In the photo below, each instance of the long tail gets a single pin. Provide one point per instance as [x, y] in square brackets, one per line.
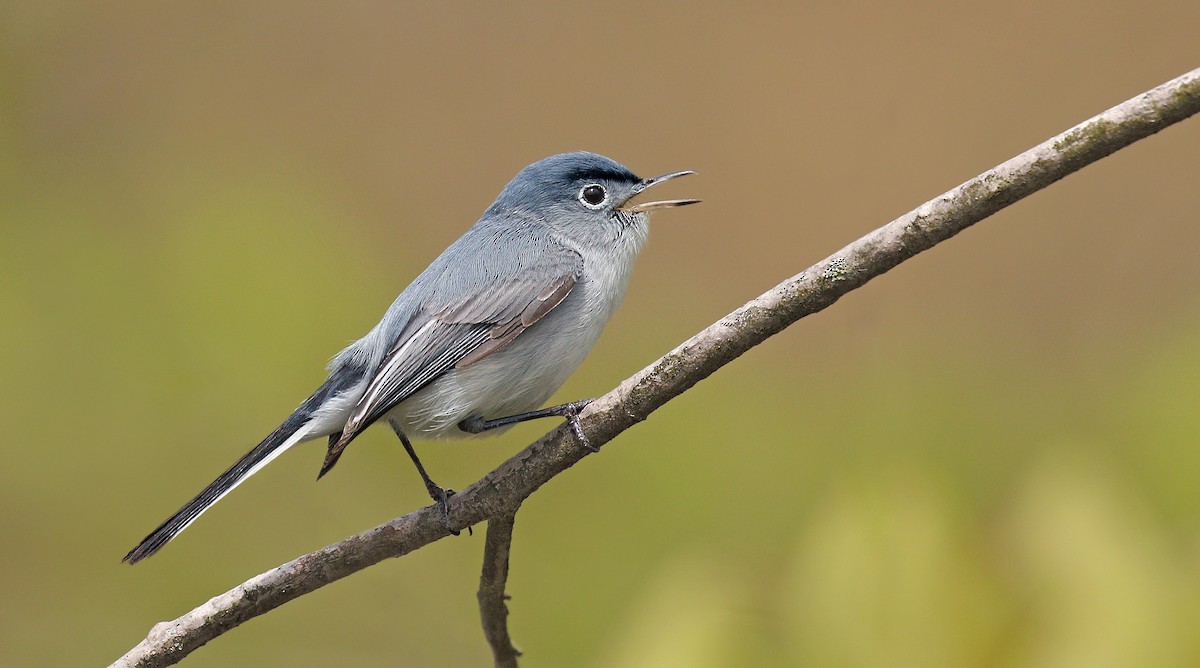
[296, 428]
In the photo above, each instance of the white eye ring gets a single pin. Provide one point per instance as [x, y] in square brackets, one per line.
[588, 193]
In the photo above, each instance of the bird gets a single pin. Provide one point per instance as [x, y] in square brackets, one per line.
[484, 335]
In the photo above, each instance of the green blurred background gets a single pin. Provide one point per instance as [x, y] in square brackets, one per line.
[986, 457]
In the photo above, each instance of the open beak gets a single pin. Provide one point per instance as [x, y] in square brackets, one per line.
[662, 204]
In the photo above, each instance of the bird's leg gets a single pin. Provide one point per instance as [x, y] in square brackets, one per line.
[475, 425]
[440, 495]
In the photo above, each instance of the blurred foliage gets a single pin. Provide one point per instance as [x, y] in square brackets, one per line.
[987, 457]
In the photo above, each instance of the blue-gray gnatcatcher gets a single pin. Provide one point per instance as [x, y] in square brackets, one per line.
[485, 334]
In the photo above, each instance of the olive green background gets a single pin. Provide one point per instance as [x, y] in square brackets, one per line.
[987, 457]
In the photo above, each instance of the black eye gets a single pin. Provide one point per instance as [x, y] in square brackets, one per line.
[593, 195]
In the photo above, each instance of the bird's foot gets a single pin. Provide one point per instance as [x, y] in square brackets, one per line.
[441, 498]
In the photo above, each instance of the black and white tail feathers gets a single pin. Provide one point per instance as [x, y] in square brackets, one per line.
[292, 431]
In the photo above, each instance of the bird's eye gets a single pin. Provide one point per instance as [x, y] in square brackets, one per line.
[593, 196]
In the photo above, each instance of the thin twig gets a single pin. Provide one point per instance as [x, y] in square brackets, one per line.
[500, 492]
[493, 610]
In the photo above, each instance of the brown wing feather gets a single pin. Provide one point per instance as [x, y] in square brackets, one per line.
[504, 333]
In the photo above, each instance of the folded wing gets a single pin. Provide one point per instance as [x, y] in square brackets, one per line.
[462, 323]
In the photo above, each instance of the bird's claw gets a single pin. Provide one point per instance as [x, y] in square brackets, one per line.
[572, 414]
[441, 498]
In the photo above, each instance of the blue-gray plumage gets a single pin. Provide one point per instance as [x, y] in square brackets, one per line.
[485, 334]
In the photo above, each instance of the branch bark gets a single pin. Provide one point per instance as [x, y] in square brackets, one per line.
[500, 493]
[492, 607]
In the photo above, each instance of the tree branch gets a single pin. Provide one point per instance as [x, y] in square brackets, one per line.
[500, 493]
[492, 607]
